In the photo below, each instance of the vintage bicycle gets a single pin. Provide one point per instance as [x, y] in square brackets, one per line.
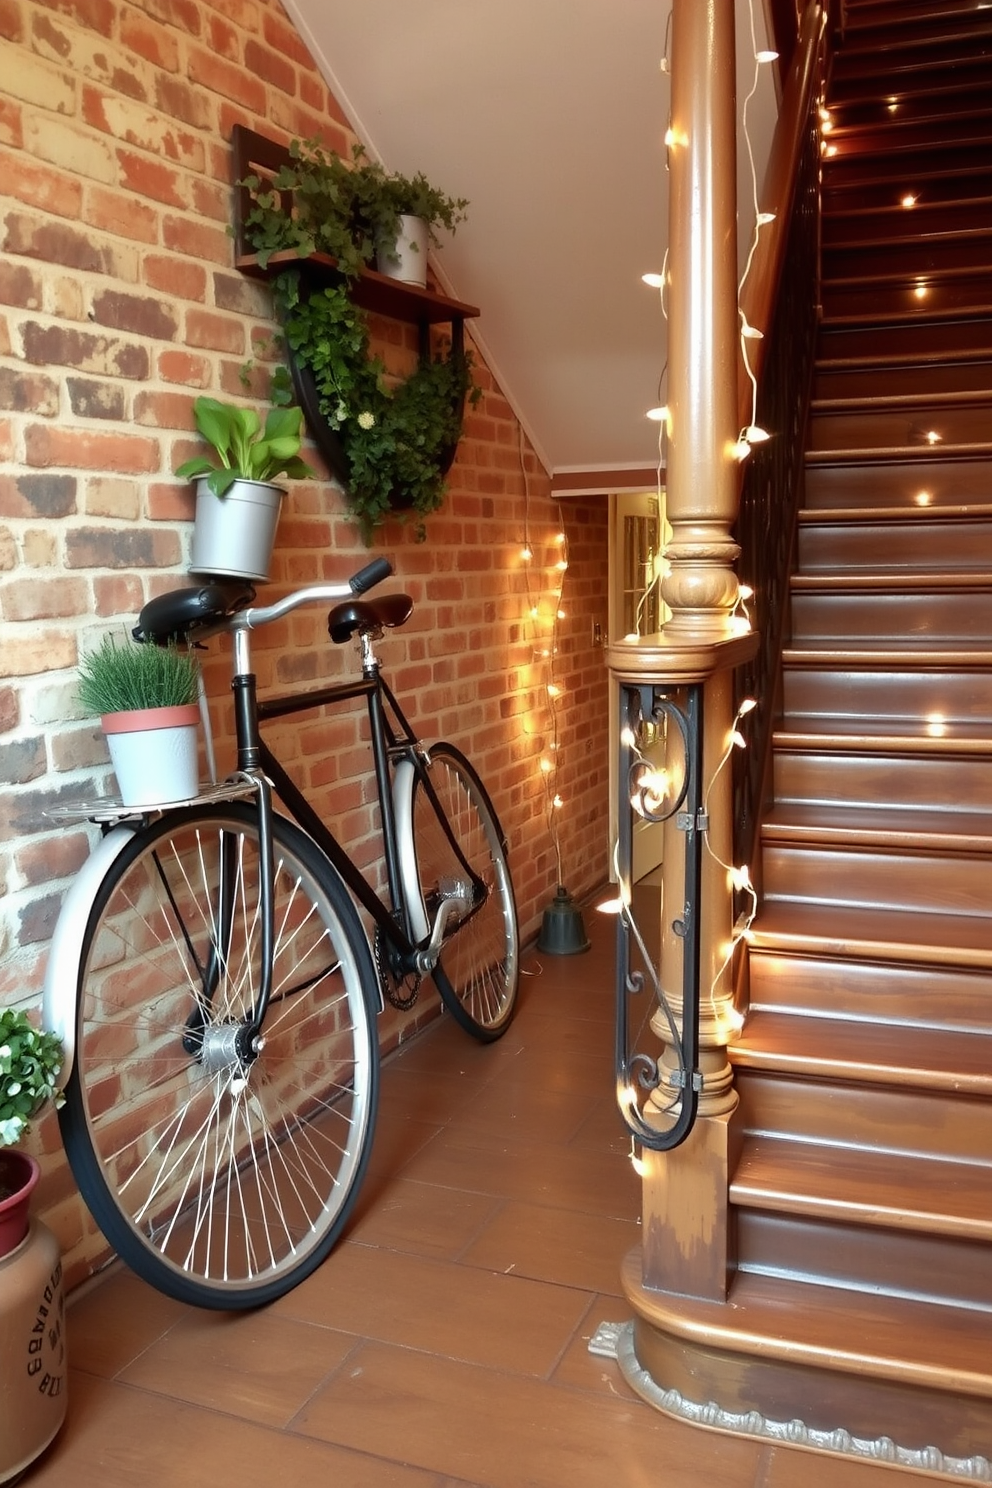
[216, 988]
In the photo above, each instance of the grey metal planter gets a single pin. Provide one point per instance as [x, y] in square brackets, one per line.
[233, 534]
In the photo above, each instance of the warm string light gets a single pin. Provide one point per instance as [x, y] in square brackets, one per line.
[546, 611]
[738, 878]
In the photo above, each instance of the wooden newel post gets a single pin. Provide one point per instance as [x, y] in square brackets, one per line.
[703, 329]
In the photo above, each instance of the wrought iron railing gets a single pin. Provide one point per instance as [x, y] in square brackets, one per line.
[773, 484]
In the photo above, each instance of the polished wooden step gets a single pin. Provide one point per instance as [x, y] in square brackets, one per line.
[874, 386]
[864, 1366]
[904, 341]
[871, 773]
[904, 485]
[880, 298]
[892, 542]
[931, 698]
[875, 608]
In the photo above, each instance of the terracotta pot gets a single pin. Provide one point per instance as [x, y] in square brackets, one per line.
[154, 754]
[18, 1175]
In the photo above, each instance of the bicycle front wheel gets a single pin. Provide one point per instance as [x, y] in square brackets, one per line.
[222, 1175]
[458, 843]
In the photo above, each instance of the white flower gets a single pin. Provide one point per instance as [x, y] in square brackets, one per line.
[341, 412]
[366, 420]
[10, 1131]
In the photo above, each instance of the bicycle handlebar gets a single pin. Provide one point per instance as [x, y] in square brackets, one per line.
[373, 573]
[365, 578]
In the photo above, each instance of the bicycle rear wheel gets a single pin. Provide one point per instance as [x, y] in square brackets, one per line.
[222, 1178]
[478, 970]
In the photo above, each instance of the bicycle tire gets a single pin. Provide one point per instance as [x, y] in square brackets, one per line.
[478, 971]
[221, 1183]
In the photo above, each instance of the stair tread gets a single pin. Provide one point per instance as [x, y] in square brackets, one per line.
[937, 1195]
[886, 736]
[887, 935]
[911, 512]
[899, 579]
[894, 826]
[867, 1051]
[894, 654]
[923, 1343]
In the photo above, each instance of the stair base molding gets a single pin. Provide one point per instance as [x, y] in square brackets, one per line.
[765, 1366]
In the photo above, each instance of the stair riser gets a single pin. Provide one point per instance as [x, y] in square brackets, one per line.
[919, 297]
[878, 695]
[920, 1122]
[917, 546]
[910, 343]
[863, 385]
[957, 1001]
[844, 176]
[940, 483]
[866, 780]
[894, 225]
[880, 880]
[865, 1257]
[864, 618]
[903, 428]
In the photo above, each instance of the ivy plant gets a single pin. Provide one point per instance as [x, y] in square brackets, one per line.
[29, 1065]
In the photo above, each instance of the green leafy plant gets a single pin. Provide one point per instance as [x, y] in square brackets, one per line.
[245, 449]
[321, 203]
[119, 679]
[29, 1065]
[396, 439]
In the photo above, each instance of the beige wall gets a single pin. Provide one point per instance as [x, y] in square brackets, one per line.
[118, 304]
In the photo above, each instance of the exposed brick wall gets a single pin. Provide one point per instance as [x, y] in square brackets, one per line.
[118, 304]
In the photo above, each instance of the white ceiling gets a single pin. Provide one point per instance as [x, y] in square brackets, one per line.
[549, 115]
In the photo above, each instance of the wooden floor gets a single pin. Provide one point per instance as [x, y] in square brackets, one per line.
[445, 1342]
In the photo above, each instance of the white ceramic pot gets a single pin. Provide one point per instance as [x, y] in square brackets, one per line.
[234, 534]
[406, 259]
[154, 754]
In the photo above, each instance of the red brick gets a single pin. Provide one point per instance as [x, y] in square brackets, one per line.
[215, 332]
[186, 235]
[223, 38]
[176, 277]
[118, 594]
[149, 41]
[40, 185]
[122, 548]
[183, 367]
[79, 449]
[172, 502]
[114, 212]
[270, 65]
[179, 100]
[93, 15]
[11, 123]
[152, 178]
[220, 76]
[54, 345]
[11, 21]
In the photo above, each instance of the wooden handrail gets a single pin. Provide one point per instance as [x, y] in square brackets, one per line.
[760, 291]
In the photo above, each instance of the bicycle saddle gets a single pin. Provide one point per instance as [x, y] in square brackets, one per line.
[178, 615]
[366, 615]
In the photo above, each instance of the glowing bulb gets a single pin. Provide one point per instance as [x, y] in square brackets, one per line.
[936, 725]
[557, 803]
[561, 614]
[638, 1164]
[909, 201]
[546, 766]
[654, 281]
[766, 56]
[526, 554]
[750, 332]
[627, 737]
[764, 218]
[738, 740]
[755, 435]
[740, 449]
[920, 291]
[669, 137]
[663, 64]
[610, 906]
[534, 612]
[561, 565]
[923, 498]
[749, 704]
[658, 415]
[932, 437]
[831, 150]
[554, 690]
[746, 592]
[559, 537]
[740, 878]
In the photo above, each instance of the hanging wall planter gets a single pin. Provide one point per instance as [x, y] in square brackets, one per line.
[234, 534]
[404, 257]
[389, 442]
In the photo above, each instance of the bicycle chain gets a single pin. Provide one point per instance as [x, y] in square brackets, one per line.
[388, 981]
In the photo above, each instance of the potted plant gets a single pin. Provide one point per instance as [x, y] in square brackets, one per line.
[32, 1307]
[147, 698]
[400, 215]
[351, 211]
[237, 500]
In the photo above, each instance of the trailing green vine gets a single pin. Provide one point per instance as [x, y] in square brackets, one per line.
[396, 440]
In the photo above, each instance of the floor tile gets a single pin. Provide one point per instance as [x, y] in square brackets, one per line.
[423, 1219]
[257, 1365]
[491, 1427]
[457, 1311]
[578, 1250]
[111, 1322]
[118, 1437]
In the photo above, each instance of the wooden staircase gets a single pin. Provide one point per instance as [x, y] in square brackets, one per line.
[862, 1197]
